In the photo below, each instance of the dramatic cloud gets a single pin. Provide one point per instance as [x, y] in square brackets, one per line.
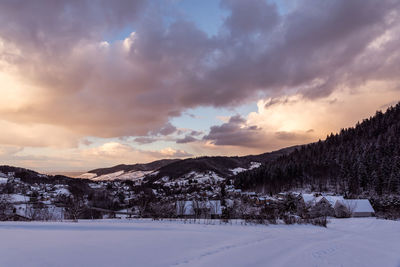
[70, 69]
[134, 86]
[295, 119]
[238, 132]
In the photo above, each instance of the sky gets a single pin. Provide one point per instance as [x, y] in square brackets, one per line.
[95, 83]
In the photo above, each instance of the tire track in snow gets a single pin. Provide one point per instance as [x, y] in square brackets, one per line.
[219, 250]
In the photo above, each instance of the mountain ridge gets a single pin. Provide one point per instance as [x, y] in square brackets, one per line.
[175, 168]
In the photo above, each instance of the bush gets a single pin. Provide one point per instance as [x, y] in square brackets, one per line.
[320, 221]
[290, 219]
[342, 211]
[321, 209]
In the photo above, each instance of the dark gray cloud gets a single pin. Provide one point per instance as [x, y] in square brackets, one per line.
[234, 133]
[237, 119]
[167, 129]
[250, 17]
[186, 139]
[274, 101]
[195, 133]
[134, 87]
[157, 134]
[144, 140]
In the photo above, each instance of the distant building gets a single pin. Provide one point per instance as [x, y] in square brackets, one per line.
[357, 207]
[331, 200]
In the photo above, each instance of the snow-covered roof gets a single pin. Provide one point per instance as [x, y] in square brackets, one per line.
[18, 198]
[62, 191]
[331, 199]
[358, 205]
[308, 198]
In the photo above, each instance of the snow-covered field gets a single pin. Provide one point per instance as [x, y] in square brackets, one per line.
[346, 242]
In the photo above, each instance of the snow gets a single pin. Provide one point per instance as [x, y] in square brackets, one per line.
[110, 176]
[121, 175]
[358, 205]
[331, 199]
[346, 242]
[87, 175]
[201, 178]
[3, 180]
[134, 175]
[62, 191]
[237, 170]
[308, 198]
[253, 165]
[18, 198]
[95, 186]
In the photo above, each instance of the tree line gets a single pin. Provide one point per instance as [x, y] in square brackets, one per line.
[358, 161]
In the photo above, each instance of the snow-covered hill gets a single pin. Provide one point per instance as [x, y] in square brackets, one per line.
[119, 175]
[198, 177]
[204, 168]
[134, 172]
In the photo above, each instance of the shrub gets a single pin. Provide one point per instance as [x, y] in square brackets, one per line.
[320, 221]
[341, 211]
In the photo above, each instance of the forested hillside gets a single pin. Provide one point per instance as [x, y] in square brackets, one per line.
[364, 159]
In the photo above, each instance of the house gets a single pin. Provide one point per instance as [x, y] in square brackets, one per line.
[308, 198]
[357, 207]
[330, 200]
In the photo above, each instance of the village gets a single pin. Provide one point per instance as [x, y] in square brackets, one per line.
[121, 199]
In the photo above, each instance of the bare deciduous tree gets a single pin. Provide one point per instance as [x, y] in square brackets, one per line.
[180, 208]
[5, 206]
[75, 208]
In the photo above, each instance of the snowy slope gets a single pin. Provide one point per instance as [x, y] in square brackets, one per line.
[119, 175]
[223, 167]
[134, 175]
[200, 178]
[253, 165]
[346, 242]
